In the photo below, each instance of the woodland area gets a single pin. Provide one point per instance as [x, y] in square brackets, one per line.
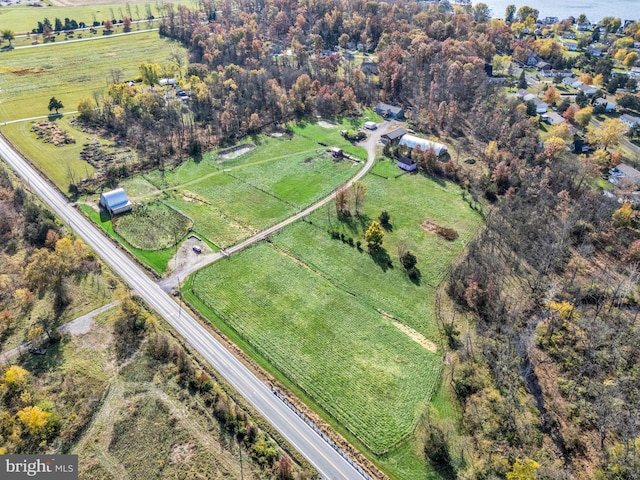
[544, 346]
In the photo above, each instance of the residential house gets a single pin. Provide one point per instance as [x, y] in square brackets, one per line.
[369, 68]
[549, 20]
[570, 81]
[116, 202]
[594, 51]
[543, 66]
[411, 142]
[389, 111]
[572, 46]
[541, 107]
[553, 118]
[630, 120]
[582, 27]
[405, 163]
[588, 90]
[606, 104]
[623, 175]
[579, 146]
[554, 73]
[393, 137]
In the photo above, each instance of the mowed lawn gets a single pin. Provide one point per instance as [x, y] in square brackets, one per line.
[313, 306]
[22, 18]
[71, 72]
[229, 200]
[363, 370]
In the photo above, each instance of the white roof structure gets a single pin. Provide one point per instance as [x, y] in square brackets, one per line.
[423, 144]
[116, 201]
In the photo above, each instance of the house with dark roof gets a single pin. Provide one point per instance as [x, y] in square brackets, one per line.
[389, 111]
[393, 137]
[406, 164]
[369, 68]
[116, 202]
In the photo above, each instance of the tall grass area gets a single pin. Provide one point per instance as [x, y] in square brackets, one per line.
[326, 315]
[71, 72]
[59, 164]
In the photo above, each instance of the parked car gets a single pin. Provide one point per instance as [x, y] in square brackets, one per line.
[197, 249]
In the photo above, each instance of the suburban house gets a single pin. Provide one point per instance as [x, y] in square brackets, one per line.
[542, 66]
[393, 137]
[630, 120]
[594, 51]
[579, 146]
[588, 90]
[541, 107]
[624, 174]
[390, 111]
[553, 118]
[583, 27]
[116, 202]
[572, 82]
[571, 46]
[554, 73]
[411, 142]
[606, 104]
[369, 68]
[525, 95]
[405, 163]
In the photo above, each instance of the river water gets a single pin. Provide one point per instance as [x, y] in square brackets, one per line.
[595, 10]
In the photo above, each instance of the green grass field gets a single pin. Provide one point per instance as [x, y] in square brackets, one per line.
[153, 226]
[22, 19]
[355, 363]
[311, 306]
[59, 164]
[71, 72]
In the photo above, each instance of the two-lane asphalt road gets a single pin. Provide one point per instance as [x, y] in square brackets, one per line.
[329, 463]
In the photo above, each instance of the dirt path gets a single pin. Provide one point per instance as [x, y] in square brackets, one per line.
[79, 326]
[170, 282]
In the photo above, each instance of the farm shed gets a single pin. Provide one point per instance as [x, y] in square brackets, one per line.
[393, 137]
[116, 201]
[390, 111]
[405, 163]
[411, 142]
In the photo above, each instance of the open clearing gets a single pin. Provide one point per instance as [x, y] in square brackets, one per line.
[22, 18]
[356, 337]
[71, 72]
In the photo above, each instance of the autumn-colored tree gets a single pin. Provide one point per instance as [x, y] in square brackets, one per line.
[631, 59]
[570, 113]
[609, 134]
[523, 470]
[342, 201]
[150, 73]
[553, 147]
[374, 235]
[586, 78]
[622, 217]
[561, 131]
[34, 419]
[126, 23]
[583, 116]
[108, 25]
[551, 96]
[15, 379]
[359, 194]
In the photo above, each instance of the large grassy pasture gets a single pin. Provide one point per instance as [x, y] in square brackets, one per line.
[22, 19]
[327, 316]
[363, 370]
[71, 72]
[229, 200]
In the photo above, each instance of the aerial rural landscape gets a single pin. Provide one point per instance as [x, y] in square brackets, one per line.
[320, 239]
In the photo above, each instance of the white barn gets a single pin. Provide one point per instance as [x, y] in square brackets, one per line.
[116, 201]
[412, 142]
